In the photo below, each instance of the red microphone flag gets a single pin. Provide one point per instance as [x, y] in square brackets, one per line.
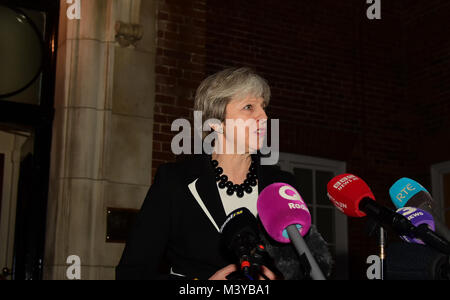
[346, 192]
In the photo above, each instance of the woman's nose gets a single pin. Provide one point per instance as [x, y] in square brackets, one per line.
[262, 116]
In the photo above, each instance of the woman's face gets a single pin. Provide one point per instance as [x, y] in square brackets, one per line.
[248, 119]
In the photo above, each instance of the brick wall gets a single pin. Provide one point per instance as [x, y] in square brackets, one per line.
[428, 81]
[342, 84]
[179, 68]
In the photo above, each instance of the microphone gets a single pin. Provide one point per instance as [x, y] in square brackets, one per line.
[351, 195]
[418, 218]
[286, 219]
[416, 262]
[240, 234]
[407, 192]
[403, 190]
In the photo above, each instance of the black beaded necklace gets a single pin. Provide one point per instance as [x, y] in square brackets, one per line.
[246, 187]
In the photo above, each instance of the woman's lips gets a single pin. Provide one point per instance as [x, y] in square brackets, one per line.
[261, 132]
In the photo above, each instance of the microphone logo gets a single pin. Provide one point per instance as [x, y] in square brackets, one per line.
[290, 194]
[339, 205]
[230, 217]
[417, 217]
[297, 206]
[344, 181]
[410, 212]
[404, 192]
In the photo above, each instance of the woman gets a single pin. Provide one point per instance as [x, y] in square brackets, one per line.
[188, 202]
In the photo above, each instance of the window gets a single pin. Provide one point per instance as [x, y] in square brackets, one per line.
[440, 176]
[313, 175]
[2, 161]
[23, 56]
[447, 198]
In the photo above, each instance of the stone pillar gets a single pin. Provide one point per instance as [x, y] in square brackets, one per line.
[103, 128]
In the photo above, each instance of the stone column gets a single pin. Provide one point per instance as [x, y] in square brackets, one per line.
[103, 128]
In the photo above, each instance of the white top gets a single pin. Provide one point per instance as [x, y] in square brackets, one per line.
[231, 203]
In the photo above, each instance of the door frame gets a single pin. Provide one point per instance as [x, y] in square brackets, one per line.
[437, 185]
[37, 119]
[10, 147]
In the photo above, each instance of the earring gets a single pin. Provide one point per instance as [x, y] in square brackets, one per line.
[220, 131]
[214, 129]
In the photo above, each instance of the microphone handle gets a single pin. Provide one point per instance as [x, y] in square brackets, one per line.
[402, 225]
[432, 239]
[442, 229]
[382, 242]
[301, 247]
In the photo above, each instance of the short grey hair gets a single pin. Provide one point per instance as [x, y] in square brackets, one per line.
[216, 91]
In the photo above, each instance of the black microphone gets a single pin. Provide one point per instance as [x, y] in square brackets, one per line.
[407, 261]
[424, 201]
[240, 234]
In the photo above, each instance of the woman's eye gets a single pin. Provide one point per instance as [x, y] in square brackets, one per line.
[248, 107]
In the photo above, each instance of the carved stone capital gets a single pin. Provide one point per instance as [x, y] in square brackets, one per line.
[128, 34]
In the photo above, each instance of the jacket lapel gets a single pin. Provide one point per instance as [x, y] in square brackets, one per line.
[206, 189]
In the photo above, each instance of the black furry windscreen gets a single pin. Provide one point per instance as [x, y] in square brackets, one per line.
[287, 260]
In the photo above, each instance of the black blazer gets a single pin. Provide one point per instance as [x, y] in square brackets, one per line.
[179, 222]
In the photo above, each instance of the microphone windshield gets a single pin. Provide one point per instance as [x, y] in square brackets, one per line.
[240, 221]
[346, 192]
[403, 190]
[279, 206]
[417, 217]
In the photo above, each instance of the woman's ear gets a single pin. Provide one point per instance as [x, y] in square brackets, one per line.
[216, 127]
